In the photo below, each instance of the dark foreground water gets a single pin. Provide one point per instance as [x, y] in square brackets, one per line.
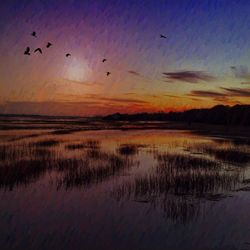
[150, 189]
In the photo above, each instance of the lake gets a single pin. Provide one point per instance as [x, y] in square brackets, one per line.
[65, 187]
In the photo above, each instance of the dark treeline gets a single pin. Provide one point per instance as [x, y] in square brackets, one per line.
[220, 114]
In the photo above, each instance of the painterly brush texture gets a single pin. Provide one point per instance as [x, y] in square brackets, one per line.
[124, 124]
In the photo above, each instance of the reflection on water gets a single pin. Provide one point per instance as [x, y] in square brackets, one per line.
[172, 183]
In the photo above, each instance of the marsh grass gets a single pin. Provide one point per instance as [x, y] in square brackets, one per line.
[5, 152]
[93, 172]
[65, 131]
[180, 199]
[13, 152]
[177, 161]
[88, 144]
[246, 181]
[18, 138]
[180, 209]
[179, 183]
[246, 189]
[75, 146]
[22, 173]
[24, 163]
[191, 183]
[231, 155]
[46, 143]
[128, 149]
[226, 152]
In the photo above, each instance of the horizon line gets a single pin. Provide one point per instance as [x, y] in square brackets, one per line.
[100, 116]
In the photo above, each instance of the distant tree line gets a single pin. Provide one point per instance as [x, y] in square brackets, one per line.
[220, 114]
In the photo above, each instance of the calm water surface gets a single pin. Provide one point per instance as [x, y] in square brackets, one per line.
[151, 189]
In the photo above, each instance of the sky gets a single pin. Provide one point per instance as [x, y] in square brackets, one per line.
[204, 61]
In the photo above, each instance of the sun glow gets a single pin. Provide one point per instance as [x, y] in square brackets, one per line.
[77, 70]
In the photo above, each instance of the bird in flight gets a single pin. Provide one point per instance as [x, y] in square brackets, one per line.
[27, 51]
[48, 45]
[33, 33]
[104, 60]
[38, 50]
[67, 55]
[162, 36]
[108, 73]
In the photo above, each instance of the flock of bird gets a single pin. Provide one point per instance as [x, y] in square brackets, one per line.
[27, 50]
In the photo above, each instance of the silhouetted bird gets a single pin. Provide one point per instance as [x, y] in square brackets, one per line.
[104, 60]
[67, 55]
[108, 73]
[38, 50]
[27, 51]
[162, 36]
[33, 33]
[48, 45]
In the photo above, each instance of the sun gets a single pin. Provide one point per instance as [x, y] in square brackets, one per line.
[77, 70]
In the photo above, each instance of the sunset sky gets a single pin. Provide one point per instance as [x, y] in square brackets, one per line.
[204, 61]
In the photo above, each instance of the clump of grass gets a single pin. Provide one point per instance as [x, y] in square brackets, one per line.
[178, 193]
[24, 163]
[129, 149]
[24, 137]
[247, 189]
[246, 181]
[75, 146]
[194, 184]
[42, 153]
[46, 143]
[88, 144]
[12, 152]
[5, 152]
[231, 155]
[241, 141]
[181, 175]
[184, 162]
[95, 154]
[23, 172]
[64, 131]
[17, 152]
[93, 143]
[87, 171]
[225, 152]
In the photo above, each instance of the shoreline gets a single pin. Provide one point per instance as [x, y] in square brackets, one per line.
[94, 125]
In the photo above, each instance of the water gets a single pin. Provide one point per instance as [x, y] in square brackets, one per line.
[123, 189]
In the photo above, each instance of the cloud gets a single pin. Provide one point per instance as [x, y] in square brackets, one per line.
[221, 97]
[81, 82]
[99, 99]
[132, 72]
[237, 92]
[121, 100]
[227, 92]
[241, 72]
[172, 96]
[130, 93]
[188, 76]
[206, 93]
[216, 96]
[226, 96]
